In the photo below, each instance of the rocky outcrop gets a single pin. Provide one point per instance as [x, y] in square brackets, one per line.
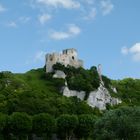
[114, 89]
[101, 97]
[59, 74]
[69, 93]
[115, 101]
[98, 98]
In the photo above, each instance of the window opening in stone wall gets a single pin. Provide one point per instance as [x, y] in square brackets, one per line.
[73, 57]
[51, 59]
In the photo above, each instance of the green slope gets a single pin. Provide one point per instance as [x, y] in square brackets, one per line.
[37, 92]
[33, 93]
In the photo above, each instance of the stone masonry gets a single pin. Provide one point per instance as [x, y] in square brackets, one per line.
[67, 57]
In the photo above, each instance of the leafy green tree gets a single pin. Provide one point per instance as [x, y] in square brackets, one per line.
[107, 81]
[79, 78]
[43, 125]
[95, 81]
[123, 123]
[86, 126]
[3, 122]
[66, 124]
[128, 90]
[20, 124]
[58, 82]
[83, 108]
[58, 66]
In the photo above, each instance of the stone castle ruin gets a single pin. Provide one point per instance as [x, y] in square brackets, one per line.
[98, 98]
[67, 57]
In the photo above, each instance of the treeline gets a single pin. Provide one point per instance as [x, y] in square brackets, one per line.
[21, 126]
[128, 91]
[123, 123]
[82, 79]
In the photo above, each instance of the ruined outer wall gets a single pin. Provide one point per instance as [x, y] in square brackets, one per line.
[67, 57]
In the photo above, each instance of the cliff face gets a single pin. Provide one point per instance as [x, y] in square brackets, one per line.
[69, 93]
[98, 98]
[101, 97]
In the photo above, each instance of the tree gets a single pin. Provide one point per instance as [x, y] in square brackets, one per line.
[20, 124]
[123, 123]
[58, 66]
[66, 124]
[86, 126]
[3, 121]
[43, 125]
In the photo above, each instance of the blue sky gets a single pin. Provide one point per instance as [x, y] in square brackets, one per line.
[104, 32]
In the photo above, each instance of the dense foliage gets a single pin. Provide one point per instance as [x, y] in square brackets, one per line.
[118, 124]
[34, 92]
[80, 79]
[128, 90]
[43, 125]
[85, 127]
[66, 124]
[20, 124]
[31, 104]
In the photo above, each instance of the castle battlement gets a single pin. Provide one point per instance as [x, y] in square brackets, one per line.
[67, 57]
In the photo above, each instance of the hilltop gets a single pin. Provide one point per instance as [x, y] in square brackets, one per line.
[32, 104]
[35, 91]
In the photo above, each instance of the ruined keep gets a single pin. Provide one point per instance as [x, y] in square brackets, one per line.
[67, 57]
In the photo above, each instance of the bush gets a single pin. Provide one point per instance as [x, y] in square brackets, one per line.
[43, 125]
[123, 123]
[66, 124]
[20, 124]
[86, 126]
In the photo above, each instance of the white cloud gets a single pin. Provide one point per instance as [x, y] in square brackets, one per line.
[135, 48]
[44, 18]
[124, 50]
[87, 9]
[68, 4]
[134, 51]
[106, 7]
[2, 9]
[12, 24]
[40, 56]
[59, 35]
[72, 31]
[36, 58]
[20, 20]
[136, 57]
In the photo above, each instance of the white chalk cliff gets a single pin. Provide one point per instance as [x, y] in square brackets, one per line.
[101, 97]
[98, 98]
[69, 93]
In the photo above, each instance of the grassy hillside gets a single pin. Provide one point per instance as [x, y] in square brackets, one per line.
[31, 103]
[34, 93]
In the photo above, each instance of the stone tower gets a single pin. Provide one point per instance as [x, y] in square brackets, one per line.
[67, 57]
